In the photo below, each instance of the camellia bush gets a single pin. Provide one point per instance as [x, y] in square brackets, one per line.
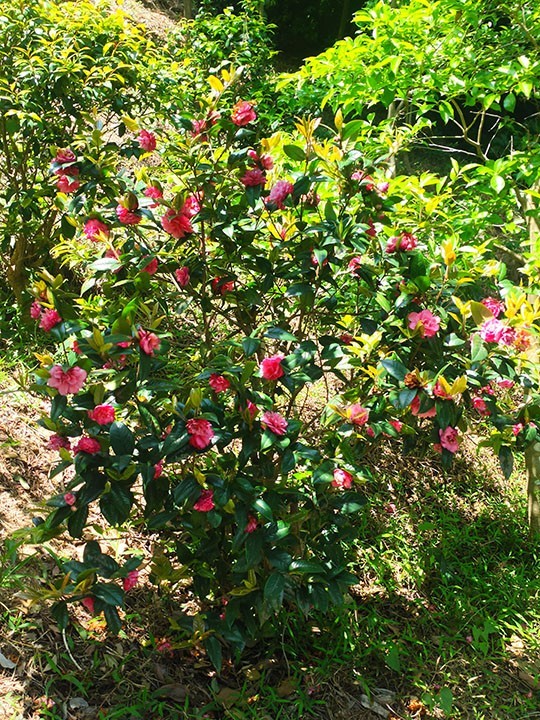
[256, 315]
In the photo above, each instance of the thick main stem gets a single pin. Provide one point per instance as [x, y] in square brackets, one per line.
[532, 460]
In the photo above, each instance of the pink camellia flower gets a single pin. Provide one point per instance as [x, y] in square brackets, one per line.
[370, 432]
[67, 382]
[266, 162]
[425, 322]
[354, 266]
[35, 310]
[70, 499]
[275, 422]
[64, 155]
[65, 185]
[505, 383]
[390, 508]
[495, 331]
[129, 582]
[148, 342]
[253, 177]
[95, 230]
[192, 205]
[271, 368]
[496, 307]
[449, 439]
[152, 191]
[102, 414]
[205, 503]
[252, 524]
[176, 223]
[158, 470]
[128, 217]
[517, 428]
[147, 141]
[479, 404]
[357, 415]
[243, 113]
[201, 433]
[279, 193]
[182, 276]
[402, 243]
[57, 441]
[88, 603]
[152, 267]
[50, 319]
[88, 445]
[219, 383]
[342, 479]
[415, 409]
[382, 188]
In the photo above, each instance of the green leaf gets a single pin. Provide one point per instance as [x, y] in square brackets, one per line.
[478, 349]
[262, 507]
[392, 659]
[60, 614]
[498, 183]
[250, 345]
[110, 593]
[274, 589]
[395, 368]
[77, 521]
[112, 618]
[116, 505]
[509, 102]
[58, 405]
[277, 333]
[122, 439]
[213, 650]
[506, 461]
[294, 152]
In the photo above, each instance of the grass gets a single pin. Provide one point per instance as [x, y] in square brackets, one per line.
[446, 615]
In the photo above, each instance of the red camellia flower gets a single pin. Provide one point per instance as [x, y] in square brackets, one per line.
[57, 441]
[152, 267]
[275, 422]
[415, 409]
[95, 229]
[176, 223]
[182, 275]
[219, 383]
[205, 503]
[67, 382]
[128, 217]
[87, 445]
[201, 433]
[148, 342]
[65, 185]
[88, 603]
[354, 266]
[102, 414]
[342, 479]
[50, 319]
[479, 404]
[221, 287]
[243, 113]
[147, 141]
[192, 205]
[64, 155]
[152, 191]
[425, 322]
[158, 470]
[271, 368]
[252, 524]
[129, 582]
